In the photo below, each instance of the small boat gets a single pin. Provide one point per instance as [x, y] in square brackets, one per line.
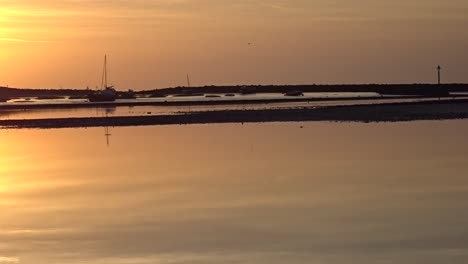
[230, 95]
[188, 94]
[130, 94]
[27, 100]
[294, 93]
[50, 97]
[107, 93]
[212, 96]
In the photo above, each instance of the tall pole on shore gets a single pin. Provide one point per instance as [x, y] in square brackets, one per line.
[438, 74]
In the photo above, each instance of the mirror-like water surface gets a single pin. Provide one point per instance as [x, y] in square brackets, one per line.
[22, 112]
[264, 193]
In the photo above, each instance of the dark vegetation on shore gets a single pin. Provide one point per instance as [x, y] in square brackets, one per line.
[391, 112]
[6, 92]
[396, 89]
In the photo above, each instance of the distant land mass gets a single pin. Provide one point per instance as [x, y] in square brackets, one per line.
[390, 89]
[7, 92]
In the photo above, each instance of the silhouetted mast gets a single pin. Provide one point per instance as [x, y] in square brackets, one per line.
[188, 81]
[438, 74]
[105, 70]
[104, 74]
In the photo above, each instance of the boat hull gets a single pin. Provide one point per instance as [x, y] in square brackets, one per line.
[101, 98]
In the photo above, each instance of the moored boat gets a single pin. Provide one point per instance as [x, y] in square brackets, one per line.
[107, 93]
[130, 94]
[212, 96]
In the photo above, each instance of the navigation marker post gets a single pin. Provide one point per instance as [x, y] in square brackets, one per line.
[438, 74]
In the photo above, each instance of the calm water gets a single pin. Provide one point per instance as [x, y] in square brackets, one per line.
[266, 193]
[171, 110]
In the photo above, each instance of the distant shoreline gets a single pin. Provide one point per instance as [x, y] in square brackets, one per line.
[390, 112]
[394, 89]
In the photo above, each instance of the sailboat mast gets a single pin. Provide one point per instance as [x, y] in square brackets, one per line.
[104, 74]
[188, 81]
[105, 71]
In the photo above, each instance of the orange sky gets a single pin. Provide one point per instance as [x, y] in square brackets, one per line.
[155, 43]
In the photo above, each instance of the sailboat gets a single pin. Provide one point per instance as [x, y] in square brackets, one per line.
[107, 93]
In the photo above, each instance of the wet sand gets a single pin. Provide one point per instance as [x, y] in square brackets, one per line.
[392, 112]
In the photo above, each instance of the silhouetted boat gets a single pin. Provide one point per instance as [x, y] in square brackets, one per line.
[27, 100]
[294, 93]
[230, 95]
[107, 93]
[188, 94]
[212, 96]
[50, 97]
[130, 94]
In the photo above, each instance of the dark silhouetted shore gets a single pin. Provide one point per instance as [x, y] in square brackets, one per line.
[393, 89]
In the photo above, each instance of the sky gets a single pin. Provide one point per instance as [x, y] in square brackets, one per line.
[156, 43]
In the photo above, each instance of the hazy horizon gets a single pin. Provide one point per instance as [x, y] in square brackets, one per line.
[155, 43]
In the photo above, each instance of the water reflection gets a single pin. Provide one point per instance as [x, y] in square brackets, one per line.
[269, 193]
[39, 113]
[107, 134]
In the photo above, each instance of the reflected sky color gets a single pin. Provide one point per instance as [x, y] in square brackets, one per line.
[155, 43]
[265, 193]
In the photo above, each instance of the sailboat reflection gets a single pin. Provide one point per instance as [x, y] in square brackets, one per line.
[107, 132]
